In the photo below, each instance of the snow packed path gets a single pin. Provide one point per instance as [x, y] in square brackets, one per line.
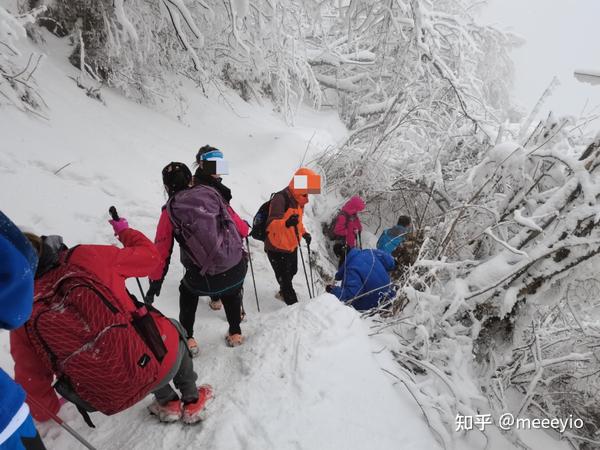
[307, 377]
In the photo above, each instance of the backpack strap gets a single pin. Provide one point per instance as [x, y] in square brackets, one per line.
[287, 201]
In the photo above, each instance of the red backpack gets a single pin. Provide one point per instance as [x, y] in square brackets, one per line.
[104, 357]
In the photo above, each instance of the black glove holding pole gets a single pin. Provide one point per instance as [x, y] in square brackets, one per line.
[292, 221]
[153, 291]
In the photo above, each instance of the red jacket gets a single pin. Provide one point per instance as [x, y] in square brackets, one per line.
[164, 240]
[112, 265]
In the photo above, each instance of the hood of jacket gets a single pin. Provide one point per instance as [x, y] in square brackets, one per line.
[354, 205]
[301, 194]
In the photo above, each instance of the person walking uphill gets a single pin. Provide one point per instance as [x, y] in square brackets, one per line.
[347, 225]
[19, 262]
[211, 251]
[84, 320]
[284, 229]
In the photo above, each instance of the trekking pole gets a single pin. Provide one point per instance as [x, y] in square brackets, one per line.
[302, 258]
[360, 240]
[312, 283]
[59, 421]
[115, 216]
[252, 271]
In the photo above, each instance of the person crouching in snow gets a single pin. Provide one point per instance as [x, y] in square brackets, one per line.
[211, 251]
[19, 262]
[285, 227]
[394, 237]
[365, 281]
[347, 224]
[106, 350]
[211, 167]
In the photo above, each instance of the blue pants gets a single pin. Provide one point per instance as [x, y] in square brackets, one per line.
[25, 437]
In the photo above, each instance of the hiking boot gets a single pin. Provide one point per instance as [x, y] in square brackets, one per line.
[279, 296]
[234, 340]
[193, 347]
[170, 412]
[195, 412]
[215, 305]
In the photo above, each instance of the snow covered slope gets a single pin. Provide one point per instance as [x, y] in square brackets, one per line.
[307, 377]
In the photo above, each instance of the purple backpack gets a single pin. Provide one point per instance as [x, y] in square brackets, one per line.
[204, 229]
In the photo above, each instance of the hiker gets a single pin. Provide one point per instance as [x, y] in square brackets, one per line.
[106, 350]
[211, 251]
[211, 167]
[395, 236]
[347, 226]
[19, 262]
[284, 228]
[364, 276]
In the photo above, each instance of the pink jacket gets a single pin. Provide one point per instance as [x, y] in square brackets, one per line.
[348, 225]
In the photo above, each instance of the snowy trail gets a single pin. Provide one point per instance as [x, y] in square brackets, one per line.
[306, 378]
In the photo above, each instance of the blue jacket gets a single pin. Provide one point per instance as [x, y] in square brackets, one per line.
[17, 269]
[364, 271]
[391, 238]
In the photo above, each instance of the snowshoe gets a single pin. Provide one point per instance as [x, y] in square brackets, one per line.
[170, 412]
[215, 305]
[193, 347]
[234, 340]
[195, 412]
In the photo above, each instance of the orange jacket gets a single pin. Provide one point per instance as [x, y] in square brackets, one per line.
[284, 204]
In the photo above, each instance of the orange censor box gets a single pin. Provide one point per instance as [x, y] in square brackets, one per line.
[307, 184]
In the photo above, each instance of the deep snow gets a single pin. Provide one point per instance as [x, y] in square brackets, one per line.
[308, 376]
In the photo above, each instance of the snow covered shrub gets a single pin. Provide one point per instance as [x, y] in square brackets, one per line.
[421, 95]
[17, 82]
[143, 47]
[509, 215]
[510, 299]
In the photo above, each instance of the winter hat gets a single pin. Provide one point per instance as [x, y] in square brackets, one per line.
[48, 249]
[19, 263]
[211, 161]
[176, 177]
[404, 221]
[208, 153]
[304, 182]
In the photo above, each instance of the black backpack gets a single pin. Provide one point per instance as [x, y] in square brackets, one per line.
[259, 223]
[329, 232]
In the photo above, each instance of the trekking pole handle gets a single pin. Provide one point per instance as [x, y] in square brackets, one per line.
[115, 216]
[113, 213]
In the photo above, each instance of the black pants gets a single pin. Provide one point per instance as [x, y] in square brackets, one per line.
[285, 266]
[34, 443]
[188, 303]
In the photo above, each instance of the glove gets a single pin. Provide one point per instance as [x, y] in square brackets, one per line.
[292, 221]
[328, 288]
[153, 290]
[308, 238]
[119, 225]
